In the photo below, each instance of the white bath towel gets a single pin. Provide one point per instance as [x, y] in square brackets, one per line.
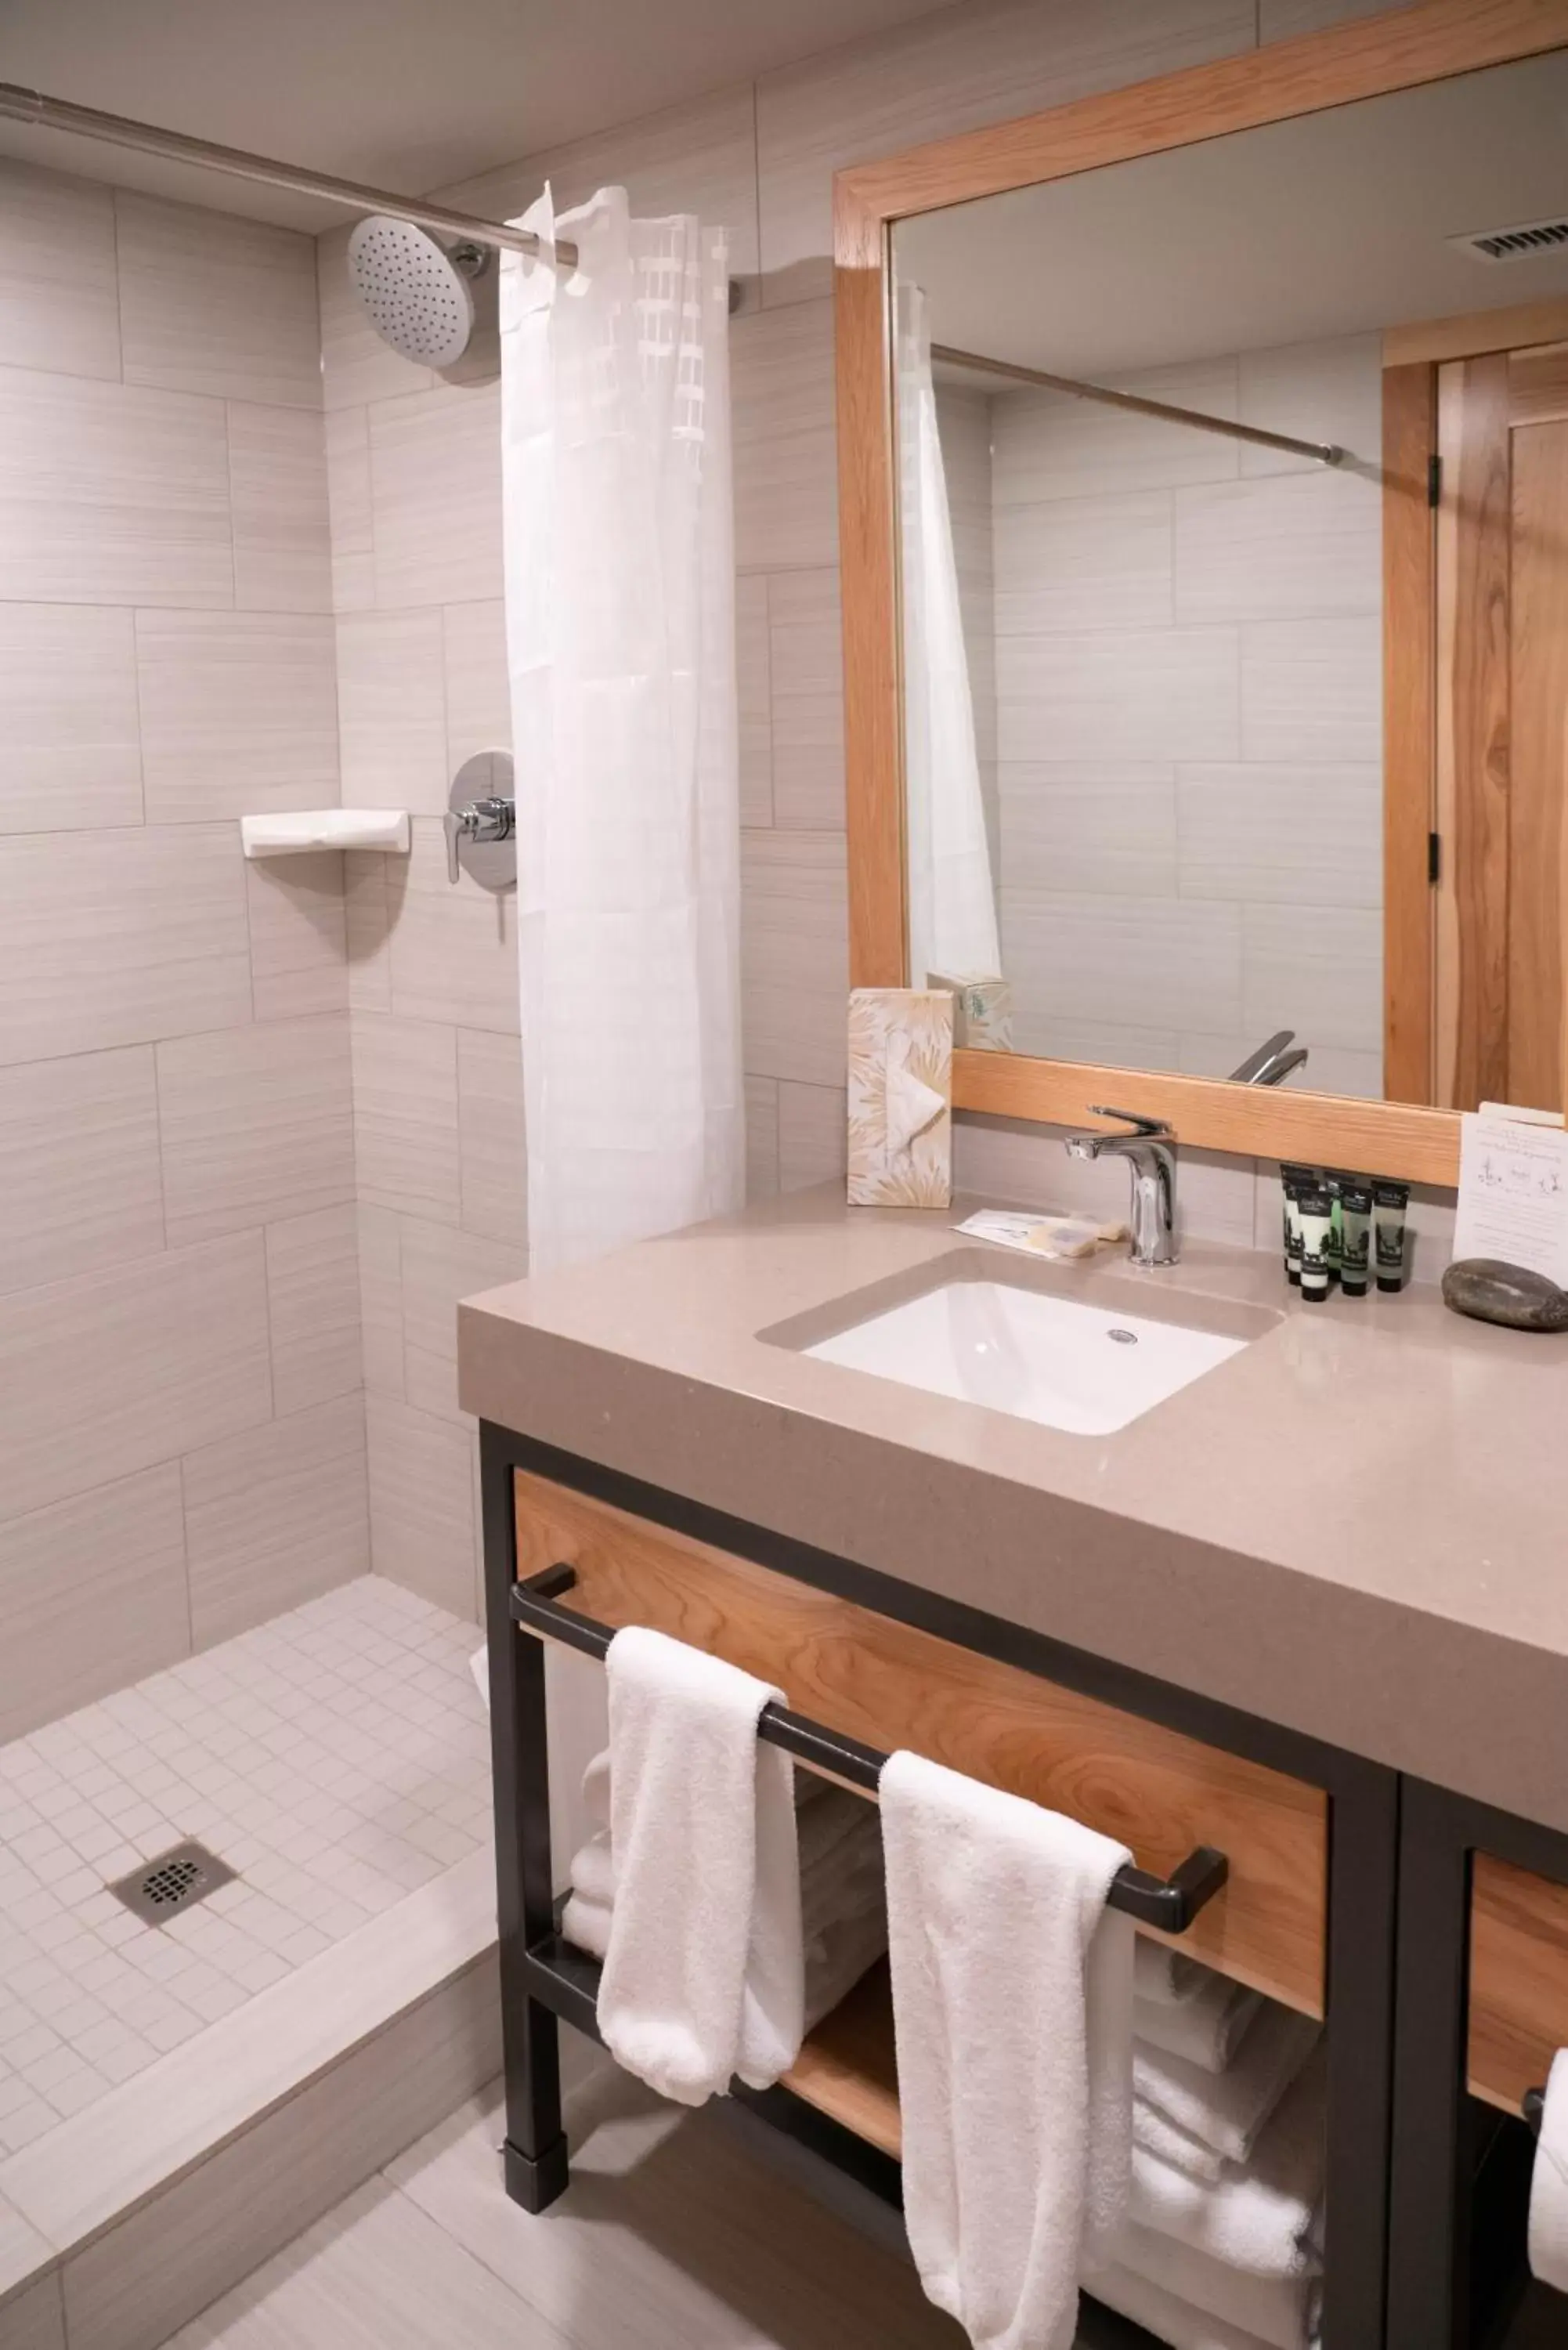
[1266, 2218]
[1226, 2110]
[1167, 1975]
[1012, 2023]
[704, 1975]
[1161, 2137]
[1205, 2029]
[1549, 2184]
[1173, 2321]
[1281, 2310]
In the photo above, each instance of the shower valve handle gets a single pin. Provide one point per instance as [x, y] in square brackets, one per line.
[485, 819]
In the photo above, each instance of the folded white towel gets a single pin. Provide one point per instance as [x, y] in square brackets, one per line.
[1205, 2029]
[1281, 2310]
[1549, 2184]
[1266, 2218]
[1012, 2023]
[1167, 1975]
[1161, 2137]
[1175, 2322]
[1226, 2110]
[703, 1974]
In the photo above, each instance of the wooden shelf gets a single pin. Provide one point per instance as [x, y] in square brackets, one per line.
[846, 2067]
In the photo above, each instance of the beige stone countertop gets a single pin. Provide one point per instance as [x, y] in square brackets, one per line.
[1358, 1526]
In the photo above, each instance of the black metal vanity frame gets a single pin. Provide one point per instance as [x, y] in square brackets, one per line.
[1456, 2206]
[543, 1980]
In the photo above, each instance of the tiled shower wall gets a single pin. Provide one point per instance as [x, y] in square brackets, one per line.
[181, 1428]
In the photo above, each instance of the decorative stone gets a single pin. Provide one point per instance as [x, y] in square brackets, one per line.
[1491, 1291]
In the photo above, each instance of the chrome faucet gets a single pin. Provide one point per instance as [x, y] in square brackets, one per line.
[488, 819]
[1149, 1148]
[1272, 1062]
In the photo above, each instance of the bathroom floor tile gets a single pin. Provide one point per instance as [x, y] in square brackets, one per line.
[336, 1757]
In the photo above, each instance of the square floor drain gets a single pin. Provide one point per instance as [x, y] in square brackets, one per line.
[175, 1880]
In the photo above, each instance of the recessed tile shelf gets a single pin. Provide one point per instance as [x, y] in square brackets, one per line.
[296, 832]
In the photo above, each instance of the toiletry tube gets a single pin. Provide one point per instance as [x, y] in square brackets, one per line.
[1292, 1179]
[1356, 1233]
[1336, 1229]
[1315, 1208]
[1389, 1202]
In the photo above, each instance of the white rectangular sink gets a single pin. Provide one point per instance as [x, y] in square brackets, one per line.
[1062, 1361]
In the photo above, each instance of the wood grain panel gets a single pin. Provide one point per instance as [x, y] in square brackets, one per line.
[890, 1686]
[846, 2067]
[1538, 383]
[1433, 340]
[1410, 441]
[1519, 1980]
[1538, 730]
[1472, 731]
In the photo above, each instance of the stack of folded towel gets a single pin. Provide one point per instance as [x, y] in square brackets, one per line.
[1224, 2249]
[844, 1912]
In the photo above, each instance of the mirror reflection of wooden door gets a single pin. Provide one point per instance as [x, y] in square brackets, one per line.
[1500, 661]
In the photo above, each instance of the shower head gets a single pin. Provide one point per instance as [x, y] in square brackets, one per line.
[416, 294]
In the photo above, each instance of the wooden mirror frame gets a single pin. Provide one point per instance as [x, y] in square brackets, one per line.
[1368, 59]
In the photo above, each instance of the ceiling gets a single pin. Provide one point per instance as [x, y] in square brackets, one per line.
[1332, 224]
[408, 95]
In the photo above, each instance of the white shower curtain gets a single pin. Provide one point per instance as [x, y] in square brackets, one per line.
[620, 642]
[952, 910]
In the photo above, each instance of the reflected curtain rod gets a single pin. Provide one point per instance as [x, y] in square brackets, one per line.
[24, 104]
[1324, 451]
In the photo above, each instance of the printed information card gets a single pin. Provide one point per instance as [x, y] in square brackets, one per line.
[1513, 1189]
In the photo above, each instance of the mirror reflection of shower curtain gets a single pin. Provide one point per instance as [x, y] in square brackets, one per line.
[953, 906]
[620, 628]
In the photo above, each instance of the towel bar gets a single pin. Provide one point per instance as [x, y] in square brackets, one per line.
[1171, 1904]
[1532, 2107]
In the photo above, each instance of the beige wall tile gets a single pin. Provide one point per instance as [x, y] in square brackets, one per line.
[116, 938]
[368, 922]
[787, 489]
[113, 1371]
[92, 1595]
[421, 1503]
[698, 158]
[1312, 689]
[391, 706]
[1329, 391]
[59, 302]
[1047, 445]
[1317, 969]
[761, 1138]
[807, 695]
[753, 699]
[435, 491]
[380, 1299]
[478, 689]
[298, 938]
[1093, 825]
[453, 946]
[276, 1516]
[277, 487]
[313, 1307]
[405, 1116]
[348, 433]
[1121, 694]
[78, 1166]
[68, 709]
[948, 72]
[355, 364]
[493, 1136]
[213, 303]
[1084, 563]
[256, 1125]
[1302, 836]
[239, 712]
[111, 494]
[1287, 20]
[813, 1134]
[35, 2318]
[438, 1268]
[1277, 545]
[1090, 959]
[795, 957]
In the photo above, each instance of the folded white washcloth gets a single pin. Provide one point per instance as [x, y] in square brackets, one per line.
[1167, 1975]
[1549, 2184]
[1205, 2029]
[1281, 2310]
[1226, 2110]
[1161, 2313]
[703, 1973]
[1159, 2135]
[1266, 2218]
[1013, 2023]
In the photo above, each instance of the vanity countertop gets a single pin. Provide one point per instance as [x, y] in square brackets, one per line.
[1358, 1526]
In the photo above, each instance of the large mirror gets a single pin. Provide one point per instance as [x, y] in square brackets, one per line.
[1161, 494]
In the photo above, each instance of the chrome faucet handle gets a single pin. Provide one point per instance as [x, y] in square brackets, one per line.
[482, 820]
[1154, 1128]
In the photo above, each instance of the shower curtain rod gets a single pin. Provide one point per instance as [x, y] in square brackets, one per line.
[1324, 452]
[24, 104]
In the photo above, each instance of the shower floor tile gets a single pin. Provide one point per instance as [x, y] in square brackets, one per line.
[336, 1758]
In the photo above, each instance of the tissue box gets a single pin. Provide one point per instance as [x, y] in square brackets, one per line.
[900, 1097]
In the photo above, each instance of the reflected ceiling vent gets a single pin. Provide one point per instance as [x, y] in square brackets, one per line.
[1519, 243]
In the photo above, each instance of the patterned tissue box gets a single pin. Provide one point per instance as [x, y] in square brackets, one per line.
[900, 1097]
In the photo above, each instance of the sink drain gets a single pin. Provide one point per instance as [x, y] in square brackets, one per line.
[1123, 1337]
[174, 1880]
